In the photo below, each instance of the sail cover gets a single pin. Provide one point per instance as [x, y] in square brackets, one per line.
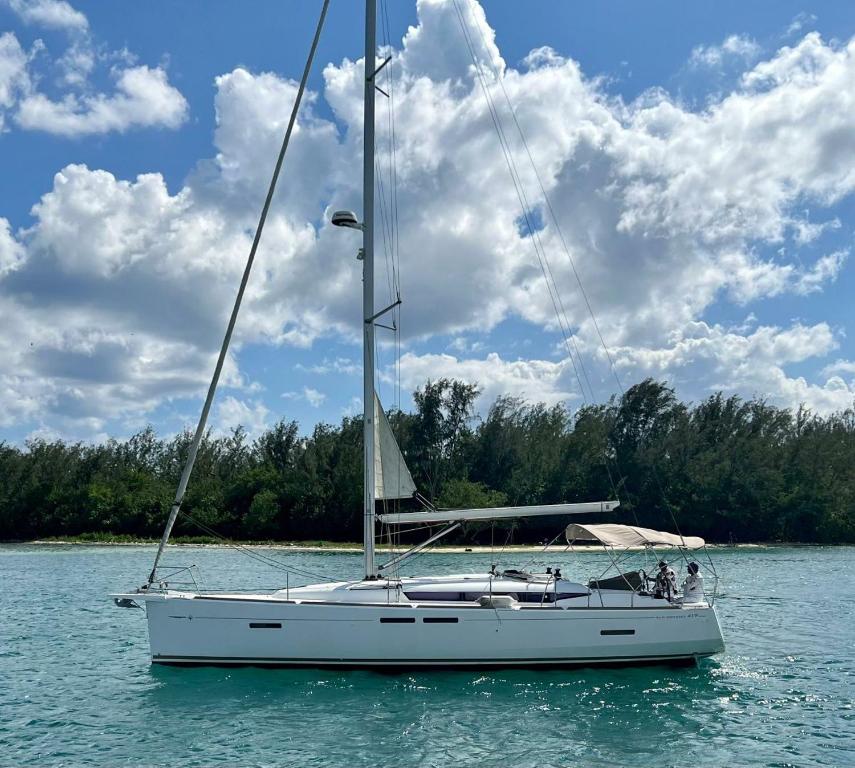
[496, 513]
[392, 478]
[614, 535]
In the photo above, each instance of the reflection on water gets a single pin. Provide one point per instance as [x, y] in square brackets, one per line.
[78, 688]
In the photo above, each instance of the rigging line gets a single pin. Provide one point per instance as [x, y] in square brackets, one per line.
[388, 221]
[523, 202]
[543, 551]
[393, 200]
[521, 196]
[517, 182]
[548, 278]
[584, 293]
[386, 250]
[566, 323]
[255, 555]
[557, 225]
[393, 162]
[384, 227]
[252, 554]
[386, 208]
[394, 535]
[507, 540]
[203, 418]
[548, 201]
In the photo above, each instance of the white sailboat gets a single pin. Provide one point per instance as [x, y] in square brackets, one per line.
[508, 618]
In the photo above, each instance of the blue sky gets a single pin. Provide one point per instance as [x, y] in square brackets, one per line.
[696, 155]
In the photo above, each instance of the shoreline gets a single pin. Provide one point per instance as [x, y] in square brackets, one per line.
[354, 548]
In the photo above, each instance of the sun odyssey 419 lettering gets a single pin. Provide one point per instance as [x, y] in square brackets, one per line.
[498, 618]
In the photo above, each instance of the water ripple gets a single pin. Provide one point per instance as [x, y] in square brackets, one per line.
[77, 688]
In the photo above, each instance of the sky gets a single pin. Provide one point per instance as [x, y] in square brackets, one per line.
[687, 169]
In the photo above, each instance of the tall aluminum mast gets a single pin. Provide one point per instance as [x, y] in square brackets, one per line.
[368, 289]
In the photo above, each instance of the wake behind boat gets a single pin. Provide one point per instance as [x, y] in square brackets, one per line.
[499, 618]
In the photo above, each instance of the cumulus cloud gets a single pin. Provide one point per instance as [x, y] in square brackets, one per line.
[534, 380]
[143, 98]
[12, 253]
[839, 372]
[694, 207]
[233, 413]
[56, 14]
[749, 363]
[14, 78]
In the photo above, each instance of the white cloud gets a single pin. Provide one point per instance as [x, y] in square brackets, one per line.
[462, 344]
[314, 397]
[12, 253]
[77, 64]
[310, 395]
[799, 22]
[824, 271]
[749, 364]
[57, 14]
[338, 365]
[740, 47]
[805, 64]
[535, 380]
[232, 413]
[699, 359]
[840, 368]
[436, 49]
[666, 211]
[143, 98]
[13, 73]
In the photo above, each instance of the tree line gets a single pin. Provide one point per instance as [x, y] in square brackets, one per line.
[724, 468]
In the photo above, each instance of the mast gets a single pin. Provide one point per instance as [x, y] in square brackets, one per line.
[368, 290]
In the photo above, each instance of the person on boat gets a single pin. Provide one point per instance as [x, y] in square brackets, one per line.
[693, 586]
[666, 581]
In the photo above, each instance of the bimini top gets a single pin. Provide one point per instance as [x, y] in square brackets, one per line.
[613, 535]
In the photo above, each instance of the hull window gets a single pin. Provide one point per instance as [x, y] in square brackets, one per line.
[398, 620]
[265, 625]
[617, 631]
[440, 619]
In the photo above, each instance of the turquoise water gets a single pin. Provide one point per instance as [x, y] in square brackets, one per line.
[76, 687]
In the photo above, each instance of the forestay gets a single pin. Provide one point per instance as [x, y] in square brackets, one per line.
[392, 478]
[614, 535]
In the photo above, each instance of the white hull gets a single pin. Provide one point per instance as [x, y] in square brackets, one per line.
[259, 630]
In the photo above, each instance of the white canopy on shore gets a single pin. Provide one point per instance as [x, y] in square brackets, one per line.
[614, 535]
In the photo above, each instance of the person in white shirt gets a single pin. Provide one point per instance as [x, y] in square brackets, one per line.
[666, 581]
[693, 586]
